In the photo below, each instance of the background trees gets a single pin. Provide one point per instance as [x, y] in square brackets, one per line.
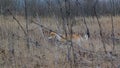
[42, 7]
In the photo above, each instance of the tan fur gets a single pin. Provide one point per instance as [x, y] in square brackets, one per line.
[63, 37]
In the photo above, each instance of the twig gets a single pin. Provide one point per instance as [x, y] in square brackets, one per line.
[17, 21]
[43, 27]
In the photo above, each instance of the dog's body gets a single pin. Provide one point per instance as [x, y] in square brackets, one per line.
[75, 38]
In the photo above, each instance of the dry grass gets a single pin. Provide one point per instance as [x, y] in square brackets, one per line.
[48, 54]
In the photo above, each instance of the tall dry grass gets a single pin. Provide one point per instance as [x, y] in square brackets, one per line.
[44, 53]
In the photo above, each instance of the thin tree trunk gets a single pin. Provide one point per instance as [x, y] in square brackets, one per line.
[100, 27]
[27, 23]
[112, 23]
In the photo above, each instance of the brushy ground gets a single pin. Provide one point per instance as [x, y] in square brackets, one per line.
[44, 53]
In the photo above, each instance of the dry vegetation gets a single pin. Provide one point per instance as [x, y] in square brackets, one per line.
[44, 53]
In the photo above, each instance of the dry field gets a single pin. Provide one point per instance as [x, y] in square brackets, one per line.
[44, 53]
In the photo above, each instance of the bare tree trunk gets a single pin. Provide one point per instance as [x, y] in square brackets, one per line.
[83, 12]
[100, 27]
[27, 24]
[112, 31]
[69, 23]
[51, 10]
[112, 22]
[63, 18]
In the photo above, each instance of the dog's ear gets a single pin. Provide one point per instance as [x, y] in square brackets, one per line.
[50, 30]
[88, 33]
